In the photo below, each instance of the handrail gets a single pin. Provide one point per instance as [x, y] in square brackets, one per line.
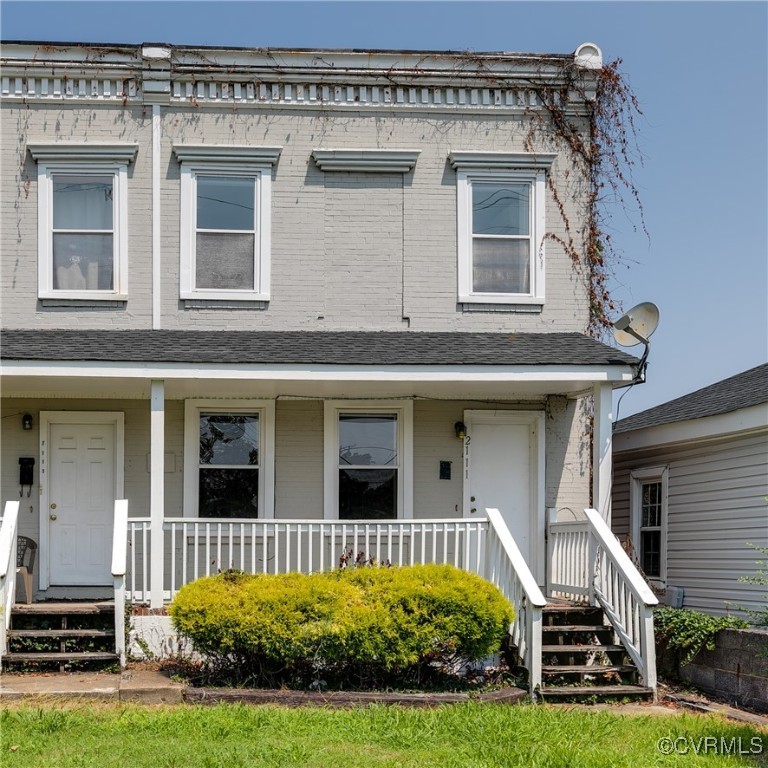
[8, 547]
[507, 569]
[119, 562]
[625, 597]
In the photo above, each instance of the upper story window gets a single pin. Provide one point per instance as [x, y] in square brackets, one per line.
[500, 226]
[226, 222]
[83, 221]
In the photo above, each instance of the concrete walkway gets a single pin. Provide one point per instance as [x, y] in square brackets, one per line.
[140, 686]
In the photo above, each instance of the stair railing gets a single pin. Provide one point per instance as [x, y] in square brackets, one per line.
[119, 561]
[625, 597]
[507, 569]
[8, 548]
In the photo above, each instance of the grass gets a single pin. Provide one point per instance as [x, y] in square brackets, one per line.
[465, 736]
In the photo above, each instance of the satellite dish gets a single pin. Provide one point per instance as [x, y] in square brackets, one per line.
[636, 325]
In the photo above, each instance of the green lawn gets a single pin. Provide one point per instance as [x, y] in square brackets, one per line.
[465, 736]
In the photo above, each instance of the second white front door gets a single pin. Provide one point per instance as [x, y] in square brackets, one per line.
[80, 499]
[504, 469]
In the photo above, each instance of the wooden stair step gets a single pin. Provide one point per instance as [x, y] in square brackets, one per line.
[580, 648]
[61, 633]
[574, 691]
[566, 669]
[576, 628]
[62, 657]
[64, 608]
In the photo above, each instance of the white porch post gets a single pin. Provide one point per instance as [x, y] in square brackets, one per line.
[602, 449]
[156, 491]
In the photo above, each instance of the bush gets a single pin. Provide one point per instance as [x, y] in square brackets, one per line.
[361, 626]
[686, 632]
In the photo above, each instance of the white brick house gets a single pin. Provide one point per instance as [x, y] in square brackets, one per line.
[245, 287]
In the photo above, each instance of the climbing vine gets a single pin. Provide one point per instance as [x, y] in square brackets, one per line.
[605, 155]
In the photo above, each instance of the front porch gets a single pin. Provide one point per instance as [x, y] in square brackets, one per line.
[586, 570]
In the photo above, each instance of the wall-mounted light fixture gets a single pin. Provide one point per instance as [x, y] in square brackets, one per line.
[461, 430]
[26, 421]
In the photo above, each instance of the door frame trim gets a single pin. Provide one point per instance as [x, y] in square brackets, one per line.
[537, 488]
[46, 420]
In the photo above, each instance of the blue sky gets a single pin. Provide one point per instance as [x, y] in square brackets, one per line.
[699, 70]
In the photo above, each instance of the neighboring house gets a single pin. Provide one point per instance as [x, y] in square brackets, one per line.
[250, 286]
[690, 490]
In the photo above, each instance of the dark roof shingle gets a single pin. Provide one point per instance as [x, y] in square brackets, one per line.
[310, 347]
[740, 391]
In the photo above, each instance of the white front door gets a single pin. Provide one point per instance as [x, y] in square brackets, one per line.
[83, 480]
[504, 469]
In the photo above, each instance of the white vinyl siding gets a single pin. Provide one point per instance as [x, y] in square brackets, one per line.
[716, 504]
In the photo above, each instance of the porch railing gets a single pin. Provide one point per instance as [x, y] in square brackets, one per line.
[586, 562]
[8, 548]
[506, 568]
[196, 547]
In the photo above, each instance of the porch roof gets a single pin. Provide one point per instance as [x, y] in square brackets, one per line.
[344, 348]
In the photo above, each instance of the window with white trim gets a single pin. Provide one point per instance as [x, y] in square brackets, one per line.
[229, 459]
[500, 226]
[368, 450]
[648, 497]
[83, 221]
[225, 222]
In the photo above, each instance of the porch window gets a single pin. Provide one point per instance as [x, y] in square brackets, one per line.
[649, 501]
[228, 472]
[229, 459]
[368, 464]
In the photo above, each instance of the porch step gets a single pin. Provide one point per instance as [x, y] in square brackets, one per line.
[61, 656]
[575, 693]
[588, 669]
[592, 628]
[580, 648]
[60, 633]
[63, 633]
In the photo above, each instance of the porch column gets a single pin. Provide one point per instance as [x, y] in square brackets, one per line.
[156, 491]
[602, 449]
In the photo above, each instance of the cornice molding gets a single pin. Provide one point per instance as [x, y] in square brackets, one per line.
[208, 153]
[540, 161]
[366, 160]
[118, 153]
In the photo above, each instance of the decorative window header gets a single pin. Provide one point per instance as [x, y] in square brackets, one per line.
[198, 153]
[367, 160]
[114, 153]
[540, 161]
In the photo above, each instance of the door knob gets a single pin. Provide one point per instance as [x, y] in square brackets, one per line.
[53, 517]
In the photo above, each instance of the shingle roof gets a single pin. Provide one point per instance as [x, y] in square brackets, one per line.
[310, 347]
[739, 391]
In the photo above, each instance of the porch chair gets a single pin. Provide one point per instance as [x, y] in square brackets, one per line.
[25, 563]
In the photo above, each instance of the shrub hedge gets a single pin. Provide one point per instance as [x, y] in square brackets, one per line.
[361, 624]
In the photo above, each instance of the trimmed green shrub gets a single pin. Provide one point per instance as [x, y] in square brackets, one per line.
[360, 626]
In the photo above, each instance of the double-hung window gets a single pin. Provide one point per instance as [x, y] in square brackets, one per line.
[368, 451]
[229, 458]
[225, 222]
[82, 221]
[649, 520]
[500, 226]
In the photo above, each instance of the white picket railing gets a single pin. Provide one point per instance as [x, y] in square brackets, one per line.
[119, 566]
[8, 550]
[197, 547]
[568, 559]
[138, 565]
[625, 597]
[505, 567]
[586, 563]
